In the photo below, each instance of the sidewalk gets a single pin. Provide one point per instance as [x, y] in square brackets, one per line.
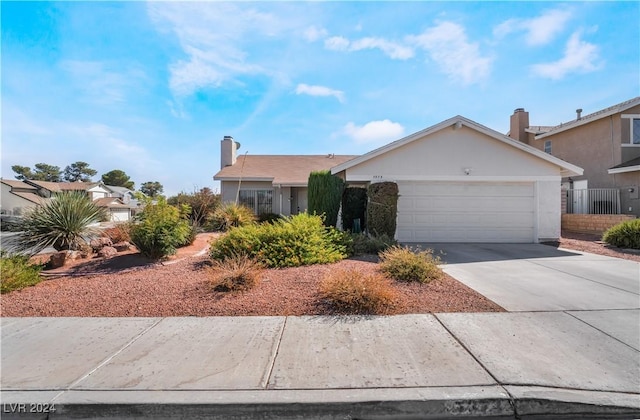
[564, 364]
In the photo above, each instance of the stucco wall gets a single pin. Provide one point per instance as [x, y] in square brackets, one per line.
[10, 202]
[445, 155]
[549, 209]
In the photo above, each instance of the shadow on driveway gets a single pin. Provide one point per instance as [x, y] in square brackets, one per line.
[460, 253]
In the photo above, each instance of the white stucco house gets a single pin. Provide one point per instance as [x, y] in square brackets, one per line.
[458, 180]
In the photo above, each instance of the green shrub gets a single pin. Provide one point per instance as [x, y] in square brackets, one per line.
[17, 272]
[363, 244]
[624, 235]
[324, 196]
[160, 229]
[354, 206]
[403, 264]
[289, 242]
[64, 222]
[382, 208]
[356, 292]
[231, 215]
[235, 273]
[268, 217]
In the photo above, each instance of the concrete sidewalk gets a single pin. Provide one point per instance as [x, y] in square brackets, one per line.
[565, 364]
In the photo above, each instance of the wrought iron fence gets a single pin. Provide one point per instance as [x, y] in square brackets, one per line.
[593, 201]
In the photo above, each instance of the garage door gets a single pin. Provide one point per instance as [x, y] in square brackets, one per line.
[465, 212]
[119, 215]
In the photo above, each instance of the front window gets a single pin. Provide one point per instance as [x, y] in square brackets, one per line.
[547, 146]
[635, 131]
[260, 201]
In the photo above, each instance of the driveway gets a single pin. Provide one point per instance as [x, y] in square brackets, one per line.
[535, 277]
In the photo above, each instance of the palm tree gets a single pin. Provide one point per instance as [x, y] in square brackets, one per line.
[64, 223]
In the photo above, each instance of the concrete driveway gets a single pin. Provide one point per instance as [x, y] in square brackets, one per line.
[534, 277]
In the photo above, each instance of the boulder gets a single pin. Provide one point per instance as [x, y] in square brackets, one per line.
[122, 246]
[99, 243]
[107, 252]
[59, 259]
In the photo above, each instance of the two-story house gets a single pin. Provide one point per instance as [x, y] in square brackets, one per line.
[605, 143]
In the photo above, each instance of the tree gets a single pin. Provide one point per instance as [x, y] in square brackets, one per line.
[63, 222]
[117, 178]
[151, 189]
[203, 203]
[78, 171]
[42, 172]
[324, 195]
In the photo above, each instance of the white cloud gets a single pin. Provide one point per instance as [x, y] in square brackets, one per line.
[314, 90]
[313, 33]
[447, 44]
[539, 30]
[376, 132]
[392, 50]
[579, 57]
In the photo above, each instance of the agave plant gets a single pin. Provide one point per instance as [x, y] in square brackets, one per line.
[63, 223]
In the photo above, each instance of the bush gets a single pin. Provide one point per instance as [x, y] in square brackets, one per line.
[403, 264]
[268, 217]
[357, 292]
[289, 242]
[354, 206]
[120, 232]
[382, 208]
[17, 272]
[624, 235]
[231, 215]
[64, 222]
[160, 229]
[324, 196]
[235, 273]
[364, 244]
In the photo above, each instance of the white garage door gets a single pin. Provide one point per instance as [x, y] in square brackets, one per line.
[465, 212]
[120, 215]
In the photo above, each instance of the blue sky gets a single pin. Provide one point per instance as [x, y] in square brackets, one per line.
[152, 87]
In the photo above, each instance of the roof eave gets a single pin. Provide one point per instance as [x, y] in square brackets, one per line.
[624, 169]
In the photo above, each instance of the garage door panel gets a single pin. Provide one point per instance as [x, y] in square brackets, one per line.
[466, 212]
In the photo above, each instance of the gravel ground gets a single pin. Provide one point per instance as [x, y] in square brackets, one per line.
[129, 285]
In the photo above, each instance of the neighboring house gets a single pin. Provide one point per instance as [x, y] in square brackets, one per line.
[462, 182]
[269, 183]
[606, 144]
[18, 196]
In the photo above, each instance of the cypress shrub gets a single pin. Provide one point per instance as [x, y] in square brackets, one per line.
[324, 196]
[354, 206]
[382, 208]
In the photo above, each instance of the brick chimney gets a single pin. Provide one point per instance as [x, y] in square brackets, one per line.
[519, 123]
[228, 151]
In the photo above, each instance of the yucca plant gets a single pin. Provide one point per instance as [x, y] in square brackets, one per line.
[64, 223]
[230, 215]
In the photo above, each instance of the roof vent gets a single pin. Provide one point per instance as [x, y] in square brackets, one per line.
[578, 113]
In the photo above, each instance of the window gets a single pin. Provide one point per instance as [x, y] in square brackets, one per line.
[635, 131]
[547, 146]
[631, 137]
[260, 201]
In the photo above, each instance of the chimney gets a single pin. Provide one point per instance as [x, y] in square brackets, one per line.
[579, 114]
[518, 124]
[228, 151]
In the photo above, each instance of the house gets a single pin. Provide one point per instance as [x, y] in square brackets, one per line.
[460, 181]
[606, 144]
[269, 183]
[18, 196]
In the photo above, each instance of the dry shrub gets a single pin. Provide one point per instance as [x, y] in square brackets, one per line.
[118, 233]
[403, 264]
[235, 273]
[361, 293]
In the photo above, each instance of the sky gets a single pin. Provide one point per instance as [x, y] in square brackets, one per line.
[151, 88]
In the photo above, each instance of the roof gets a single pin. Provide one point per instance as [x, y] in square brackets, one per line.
[110, 202]
[615, 109]
[628, 166]
[63, 186]
[15, 183]
[283, 170]
[119, 190]
[567, 169]
[31, 196]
